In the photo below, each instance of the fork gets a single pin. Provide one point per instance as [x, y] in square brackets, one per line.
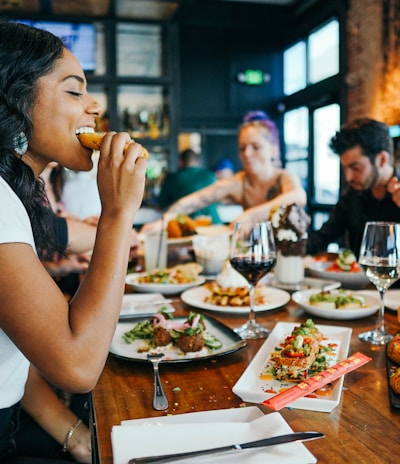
[160, 401]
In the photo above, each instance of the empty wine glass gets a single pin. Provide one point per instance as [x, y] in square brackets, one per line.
[380, 259]
[253, 254]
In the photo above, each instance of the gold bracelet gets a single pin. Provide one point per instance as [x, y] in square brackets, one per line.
[70, 432]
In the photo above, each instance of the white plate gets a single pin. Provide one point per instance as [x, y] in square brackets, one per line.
[306, 284]
[317, 268]
[250, 387]
[203, 430]
[391, 298]
[230, 342]
[165, 289]
[371, 302]
[137, 304]
[274, 298]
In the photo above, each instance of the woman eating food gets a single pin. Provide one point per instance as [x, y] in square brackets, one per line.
[44, 106]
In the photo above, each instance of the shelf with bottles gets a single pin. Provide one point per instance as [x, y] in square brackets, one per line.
[143, 111]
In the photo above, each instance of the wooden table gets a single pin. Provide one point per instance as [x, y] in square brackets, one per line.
[361, 429]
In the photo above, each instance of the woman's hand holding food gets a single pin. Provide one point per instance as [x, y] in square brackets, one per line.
[121, 174]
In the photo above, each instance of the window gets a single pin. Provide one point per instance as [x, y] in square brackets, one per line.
[323, 49]
[296, 136]
[294, 61]
[313, 59]
[312, 116]
[139, 50]
[326, 121]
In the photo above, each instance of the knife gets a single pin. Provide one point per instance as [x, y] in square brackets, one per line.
[279, 439]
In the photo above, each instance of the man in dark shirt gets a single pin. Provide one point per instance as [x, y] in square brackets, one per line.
[366, 156]
[189, 178]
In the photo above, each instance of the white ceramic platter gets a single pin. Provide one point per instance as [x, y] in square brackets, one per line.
[371, 306]
[354, 280]
[206, 429]
[165, 289]
[255, 387]
[273, 297]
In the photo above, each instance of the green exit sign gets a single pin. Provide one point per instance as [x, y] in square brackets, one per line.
[252, 77]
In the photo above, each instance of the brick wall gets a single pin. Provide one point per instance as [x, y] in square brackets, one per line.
[373, 77]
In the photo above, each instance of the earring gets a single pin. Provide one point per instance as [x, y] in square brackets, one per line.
[20, 144]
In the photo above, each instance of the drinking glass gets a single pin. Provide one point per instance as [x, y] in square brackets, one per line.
[253, 255]
[380, 259]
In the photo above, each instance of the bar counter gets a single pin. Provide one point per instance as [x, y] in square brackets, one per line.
[363, 428]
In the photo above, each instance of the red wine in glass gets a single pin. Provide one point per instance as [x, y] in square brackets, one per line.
[252, 270]
[253, 255]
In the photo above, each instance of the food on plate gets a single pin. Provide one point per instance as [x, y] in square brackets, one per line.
[337, 300]
[394, 380]
[181, 274]
[300, 355]
[346, 261]
[162, 330]
[393, 349]
[92, 140]
[181, 226]
[231, 289]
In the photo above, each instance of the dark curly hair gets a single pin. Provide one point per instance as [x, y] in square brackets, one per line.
[26, 54]
[372, 136]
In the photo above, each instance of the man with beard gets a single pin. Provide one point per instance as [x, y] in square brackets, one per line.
[373, 190]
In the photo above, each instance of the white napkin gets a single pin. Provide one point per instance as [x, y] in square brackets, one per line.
[138, 303]
[154, 436]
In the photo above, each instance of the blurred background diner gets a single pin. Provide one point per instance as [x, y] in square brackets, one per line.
[190, 177]
[259, 187]
[365, 149]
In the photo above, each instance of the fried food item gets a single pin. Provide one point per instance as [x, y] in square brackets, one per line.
[232, 296]
[174, 229]
[181, 226]
[299, 352]
[190, 343]
[393, 349]
[161, 336]
[93, 142]
[394, 381]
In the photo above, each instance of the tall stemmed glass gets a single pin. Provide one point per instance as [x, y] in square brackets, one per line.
[380, 259]
[253, 254]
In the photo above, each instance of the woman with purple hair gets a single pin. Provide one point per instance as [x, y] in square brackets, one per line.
[260, 187]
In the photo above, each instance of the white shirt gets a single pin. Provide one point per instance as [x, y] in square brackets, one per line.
[15, 226]
[80, 195]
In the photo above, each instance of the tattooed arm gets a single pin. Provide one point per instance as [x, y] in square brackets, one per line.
[230, 188]
[291, 191]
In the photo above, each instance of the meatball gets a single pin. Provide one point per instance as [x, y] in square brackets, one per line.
[189, 343]
[161, 336]
[393, 349]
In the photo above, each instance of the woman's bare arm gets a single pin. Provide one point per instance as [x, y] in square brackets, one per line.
[69, 344]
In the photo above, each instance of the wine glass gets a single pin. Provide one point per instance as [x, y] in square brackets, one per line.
[380, 259]
[253, 254]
